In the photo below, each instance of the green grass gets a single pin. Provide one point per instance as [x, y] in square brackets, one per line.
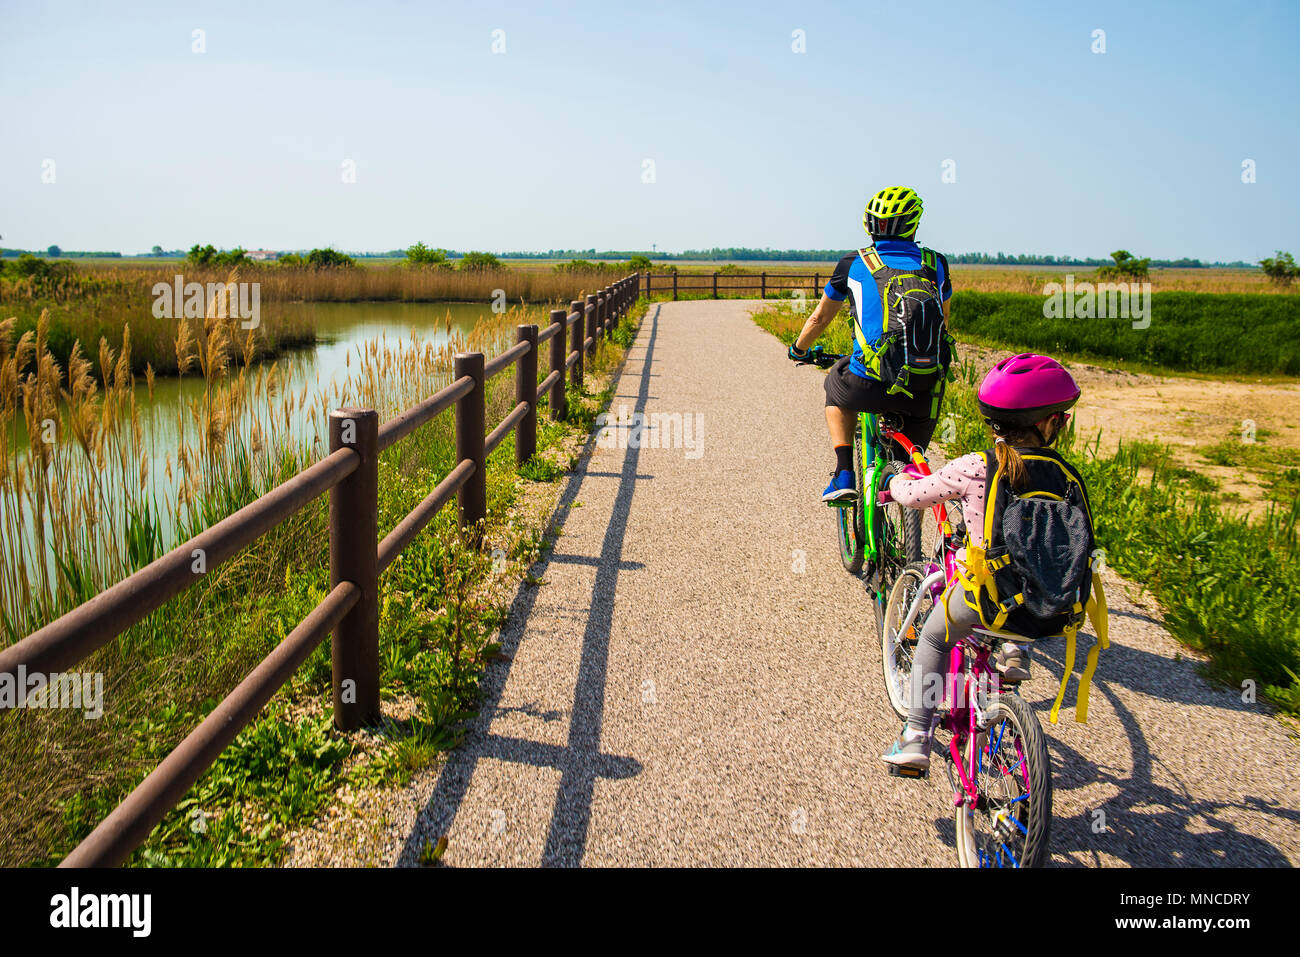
[1189, 331]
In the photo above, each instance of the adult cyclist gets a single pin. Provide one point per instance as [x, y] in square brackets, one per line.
[882, 375]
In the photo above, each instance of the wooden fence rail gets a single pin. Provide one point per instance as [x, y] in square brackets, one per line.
[349, 473]
[707, 283]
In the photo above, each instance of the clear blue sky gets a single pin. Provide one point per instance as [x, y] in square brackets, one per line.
[1057, 149]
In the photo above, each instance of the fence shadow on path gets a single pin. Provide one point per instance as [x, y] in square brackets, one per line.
[580, 760]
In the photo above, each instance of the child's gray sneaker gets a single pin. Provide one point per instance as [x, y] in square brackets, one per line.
[1012, 662]
[910, 750]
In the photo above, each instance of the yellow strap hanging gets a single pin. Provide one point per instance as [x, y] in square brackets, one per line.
[1066, 672]
[1100, 617]
[1098, 613]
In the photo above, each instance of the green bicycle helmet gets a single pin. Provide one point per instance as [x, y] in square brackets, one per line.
[894, 211]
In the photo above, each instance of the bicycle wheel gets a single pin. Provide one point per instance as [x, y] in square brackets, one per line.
[849, 522]
[1011, 823]
[898, 537]
[897, 651]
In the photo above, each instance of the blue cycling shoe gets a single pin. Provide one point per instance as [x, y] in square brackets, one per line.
[842, 488]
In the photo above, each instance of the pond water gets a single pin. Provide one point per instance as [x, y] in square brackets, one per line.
[344, 331]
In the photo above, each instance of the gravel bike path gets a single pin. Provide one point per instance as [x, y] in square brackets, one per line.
[697, 681]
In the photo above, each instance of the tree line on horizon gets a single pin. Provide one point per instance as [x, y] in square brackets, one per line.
[737, 253]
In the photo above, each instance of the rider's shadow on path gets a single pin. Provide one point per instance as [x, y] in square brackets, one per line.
[579, 761]
[1144, 823]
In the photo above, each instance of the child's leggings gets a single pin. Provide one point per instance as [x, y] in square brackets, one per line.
[930, 664]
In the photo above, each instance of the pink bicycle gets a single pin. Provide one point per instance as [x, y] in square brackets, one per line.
[996, 753]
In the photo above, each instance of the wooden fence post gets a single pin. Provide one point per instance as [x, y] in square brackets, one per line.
[674, 287]
[590, 325]
[526, 391]
[558, 351]
[354, 542]
[715, 285]
[762, 287]
[470, 434]
[579, 324]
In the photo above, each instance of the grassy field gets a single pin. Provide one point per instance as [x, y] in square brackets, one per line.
[98, 299]
[441, 602]
[1200, 332]
[1227, 582]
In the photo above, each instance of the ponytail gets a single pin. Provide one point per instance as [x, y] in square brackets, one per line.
[1010, 463]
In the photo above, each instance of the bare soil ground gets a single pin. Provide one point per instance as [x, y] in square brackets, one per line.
[1192, 416]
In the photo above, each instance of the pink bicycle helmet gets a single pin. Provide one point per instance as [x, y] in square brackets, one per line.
[1025, 389]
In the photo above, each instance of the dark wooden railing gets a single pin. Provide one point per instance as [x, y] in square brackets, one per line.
[349, 473]
[710, 284]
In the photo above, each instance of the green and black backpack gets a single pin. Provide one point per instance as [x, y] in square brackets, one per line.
[915, 352]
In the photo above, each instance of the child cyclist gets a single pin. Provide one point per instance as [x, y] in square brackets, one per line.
[1024, 400]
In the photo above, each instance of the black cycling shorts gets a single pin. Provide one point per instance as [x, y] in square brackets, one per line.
[844, 390]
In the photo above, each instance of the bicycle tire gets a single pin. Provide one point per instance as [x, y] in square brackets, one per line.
[1031, 815]
[896, 658]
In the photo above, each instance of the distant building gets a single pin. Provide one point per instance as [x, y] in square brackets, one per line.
[263, 255]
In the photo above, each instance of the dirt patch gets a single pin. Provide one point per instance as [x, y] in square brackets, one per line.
[1192, 416]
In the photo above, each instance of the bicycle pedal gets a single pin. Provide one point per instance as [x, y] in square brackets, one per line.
[899, 771]
[842, 503]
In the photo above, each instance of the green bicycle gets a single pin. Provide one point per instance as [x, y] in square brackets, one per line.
[876, 541]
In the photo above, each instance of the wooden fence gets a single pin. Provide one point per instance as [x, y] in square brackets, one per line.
[351, 609]
[748, 284]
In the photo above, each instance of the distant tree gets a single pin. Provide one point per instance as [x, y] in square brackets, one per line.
[422, 255]
[479, 262]
[234, 257]
[1281, 270]
[156, 251]
[209, 255]
[54, 252]
[200, 255]
[329, 259]
[1126, 266]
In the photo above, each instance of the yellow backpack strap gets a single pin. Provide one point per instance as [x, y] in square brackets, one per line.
[871, 256]
[1066, 672]
[1099, 614]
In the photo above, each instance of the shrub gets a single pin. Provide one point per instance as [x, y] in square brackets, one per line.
[422, 255]
[328, 259]
[1281, 270]
[1126, 267]
[479, 262]
[209, 255]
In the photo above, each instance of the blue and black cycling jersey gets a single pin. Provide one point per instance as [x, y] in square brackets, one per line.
[852, 280]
